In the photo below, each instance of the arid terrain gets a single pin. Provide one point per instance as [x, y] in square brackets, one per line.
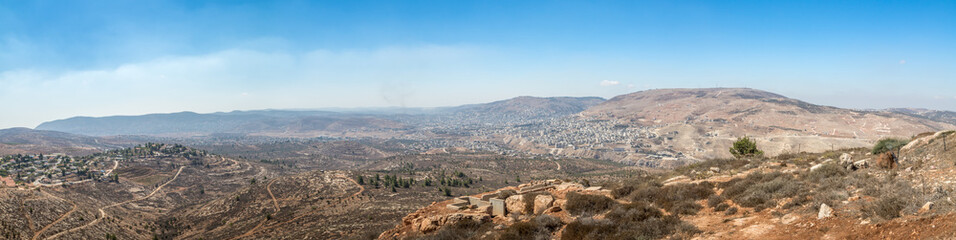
[653, 164]
[841, 194]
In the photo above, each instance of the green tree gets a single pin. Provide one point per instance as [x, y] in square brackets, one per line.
[888, 144]
[745, 147]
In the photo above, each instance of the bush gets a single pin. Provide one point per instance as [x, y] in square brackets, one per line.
[731, 211]
[722, 163]
[681, 198]
[634, 212]
[721, 207]
[759, 190]
[888, 207]
[586, 204]
[464, 229]
[826, 171]
[588, 228]
[744, 147]
[504, 194]
[715, 200]
[888, 144]
[649, 228]
[539, 228]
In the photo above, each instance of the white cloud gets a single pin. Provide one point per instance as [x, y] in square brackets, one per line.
[209, 82]
[608, 83]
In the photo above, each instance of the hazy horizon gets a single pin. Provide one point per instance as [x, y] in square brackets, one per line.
[105, 58]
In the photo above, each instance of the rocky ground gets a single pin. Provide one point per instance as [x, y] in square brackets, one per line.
[840, 194]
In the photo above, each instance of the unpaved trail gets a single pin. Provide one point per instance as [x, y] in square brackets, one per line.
[274, 202]
[103, 213]
[269, 189]
[63, 216]
[259, 227]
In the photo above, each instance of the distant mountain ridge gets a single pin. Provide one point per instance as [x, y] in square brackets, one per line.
[532, 106]
[189, 123]
[292, 121]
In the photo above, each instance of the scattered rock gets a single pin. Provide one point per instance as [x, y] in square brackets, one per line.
[542, 202]
[846, 159]
[825, 211]
[865, 163]
[926, 207]
[715, 169]
[789, 218]
[757, 230]
[815, 167]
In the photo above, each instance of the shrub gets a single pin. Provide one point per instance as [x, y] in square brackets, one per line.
[634, 212]
[888, 207]
[826, 171]
[744, 147]
[759, 190]
[464, 229]
[586, 204]
[588, 228]
[649, 228]
[540, 227]
[681, 198]
[722, 163]
[721, 207]
[715, 200]
[731, 211]
[504, 194]
[888, 144]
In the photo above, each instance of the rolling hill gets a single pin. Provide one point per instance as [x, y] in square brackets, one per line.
[25, 140]
[192, 124]
[697, 119]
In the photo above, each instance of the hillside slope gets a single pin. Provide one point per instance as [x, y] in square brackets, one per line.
[524, 108]
[25, 140]
[781, 124]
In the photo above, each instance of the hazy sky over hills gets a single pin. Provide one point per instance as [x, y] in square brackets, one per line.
[60, 59]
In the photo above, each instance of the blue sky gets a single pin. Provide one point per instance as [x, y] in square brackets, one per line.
[60, 59]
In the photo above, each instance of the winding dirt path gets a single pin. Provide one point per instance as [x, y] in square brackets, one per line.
[259, 227]
[63, 216]
[269, 188]
[103, 213]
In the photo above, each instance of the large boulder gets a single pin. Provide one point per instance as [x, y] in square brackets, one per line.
[542, 202]
[515, 204]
